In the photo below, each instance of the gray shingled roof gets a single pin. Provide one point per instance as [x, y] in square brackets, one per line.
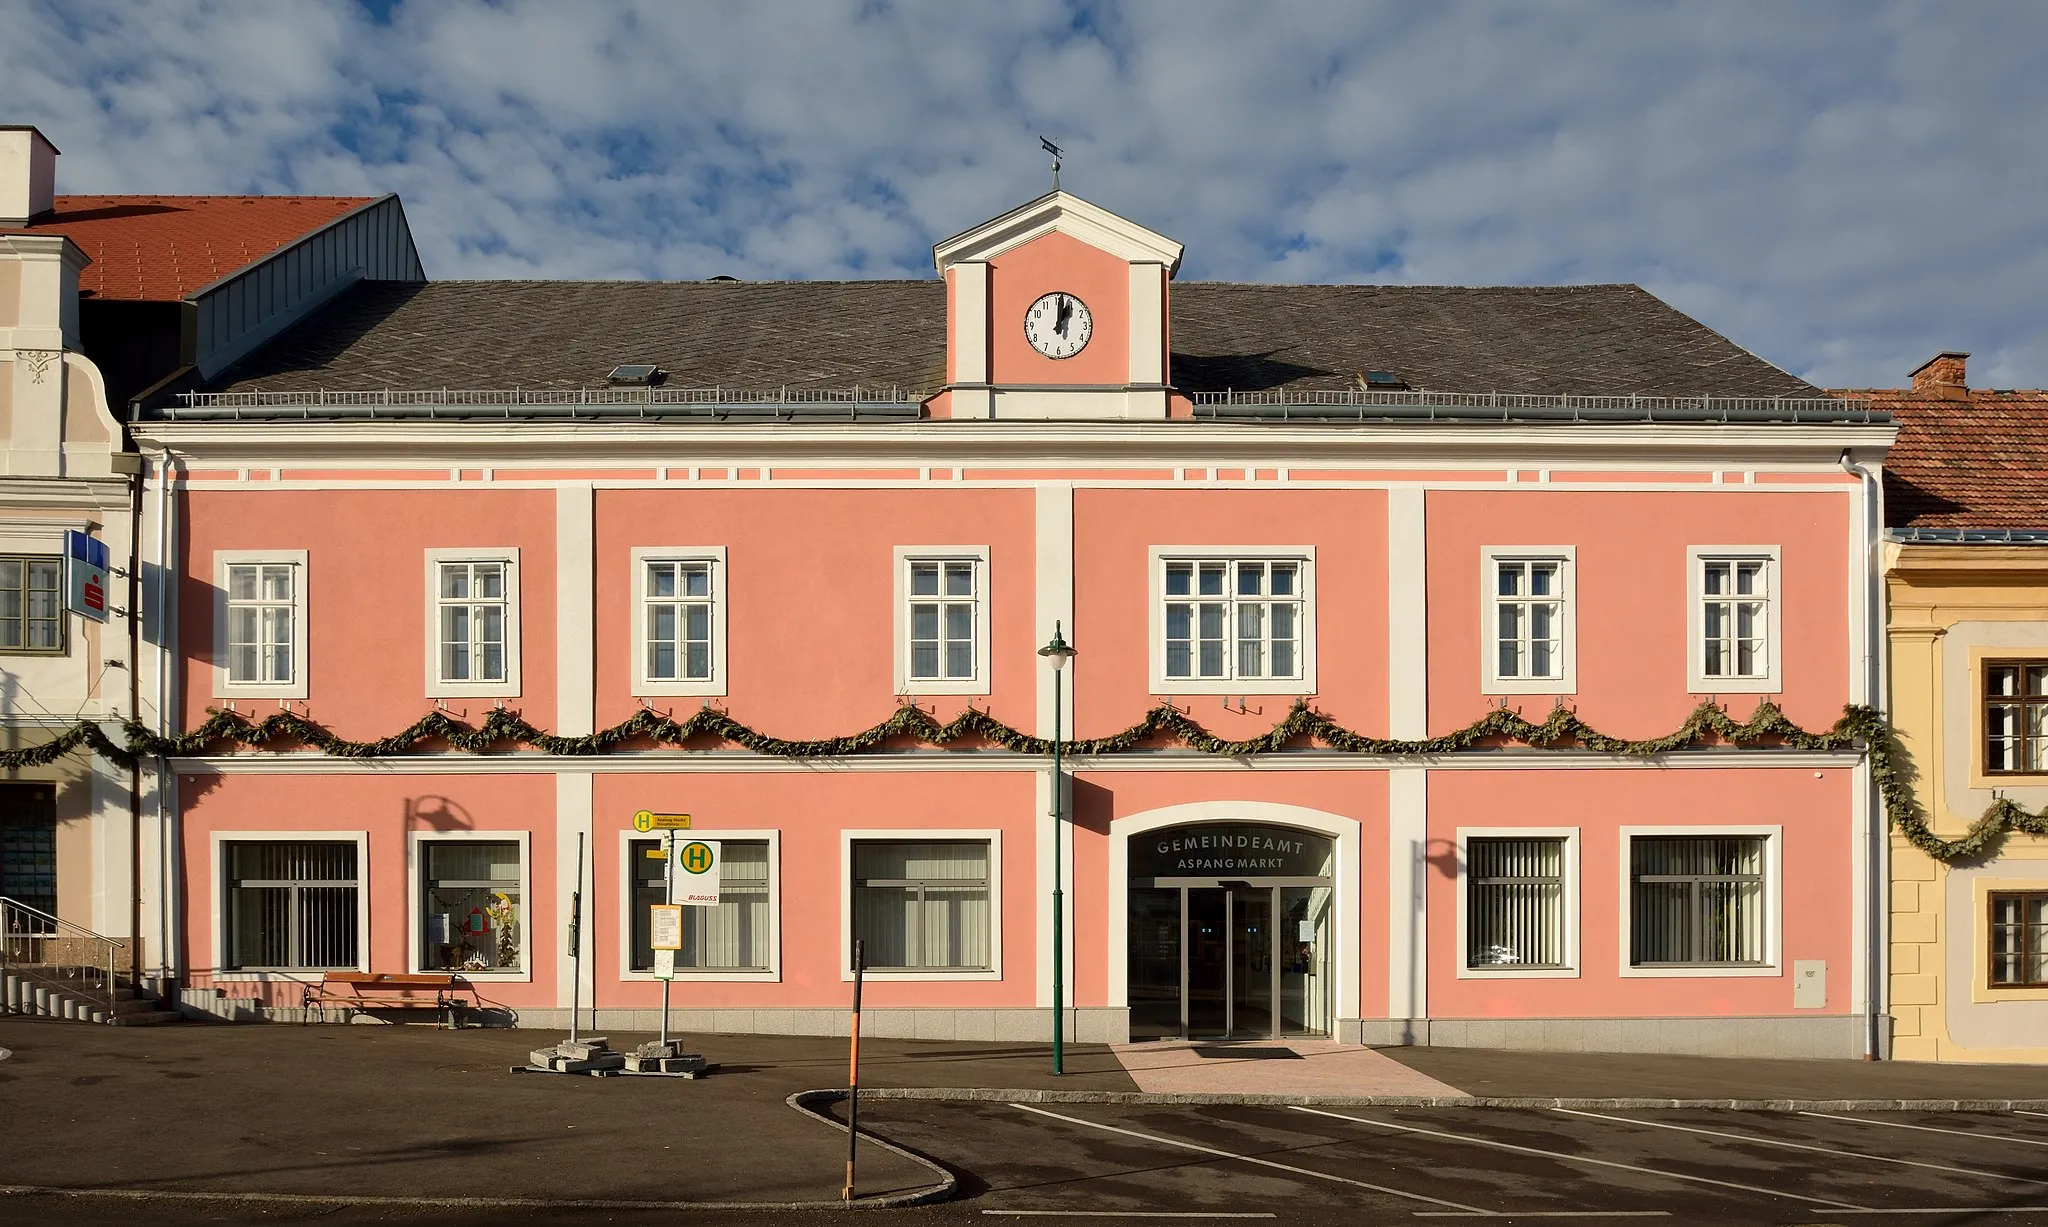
[1597, 339]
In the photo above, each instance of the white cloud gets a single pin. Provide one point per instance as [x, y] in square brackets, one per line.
[1843, 188]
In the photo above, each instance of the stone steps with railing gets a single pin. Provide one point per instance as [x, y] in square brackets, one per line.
[51, 968]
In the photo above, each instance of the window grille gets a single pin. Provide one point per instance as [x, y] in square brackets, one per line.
[1734, 617]
[1529, 618]
[2015, 716]
[2019, 939]
[1514, 903]
[733, 936]
[291, 905]
[1696, 902]
[31, 604]
[922, 906]
[943, 616]
[1233, 619]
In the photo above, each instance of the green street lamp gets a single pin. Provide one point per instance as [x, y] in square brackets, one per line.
[1059, 654]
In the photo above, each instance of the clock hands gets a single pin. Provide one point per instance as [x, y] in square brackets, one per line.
[1065, 312]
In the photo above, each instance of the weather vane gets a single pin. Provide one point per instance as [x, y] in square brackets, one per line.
[1054, 150]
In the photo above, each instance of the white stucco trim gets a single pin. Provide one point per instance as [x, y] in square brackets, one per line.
[1054, 598]
[1568, 904]
[217, 890]
[1407, 614]
[1345, 831]
[993, 836]
[1774, 904]
[575, 655]
[1407, 892]
[772, 974]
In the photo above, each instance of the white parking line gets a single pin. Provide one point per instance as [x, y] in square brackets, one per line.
[1955, 1210]
[1551, 1214]
[1224, 1154]
[1566, 1158]
[1132, 1214]
[1823, 1150]
[2024, 1112]
[1961, 1133]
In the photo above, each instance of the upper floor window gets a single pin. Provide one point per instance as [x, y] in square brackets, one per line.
[1734, 618]
[260, 624]
[942, 620]
[473, 622]
[1529, 621]
[31, 604]
[1233, 623]
[679, 603]
[2015, 716]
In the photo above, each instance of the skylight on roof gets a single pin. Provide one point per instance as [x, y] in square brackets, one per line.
[635, 375]
[1382, 381]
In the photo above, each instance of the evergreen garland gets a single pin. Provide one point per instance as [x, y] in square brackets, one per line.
[1707, 725]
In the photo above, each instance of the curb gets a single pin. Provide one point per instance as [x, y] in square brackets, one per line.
[807, 1101]
[998, 1095]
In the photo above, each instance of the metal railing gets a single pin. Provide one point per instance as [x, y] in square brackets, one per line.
[38, 951]
[716, 402]
[1363, 404]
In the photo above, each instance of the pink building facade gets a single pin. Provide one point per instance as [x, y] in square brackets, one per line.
[1054, 433]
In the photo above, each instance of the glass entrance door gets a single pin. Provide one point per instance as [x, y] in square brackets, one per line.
[1251, 961]
[1205, 988]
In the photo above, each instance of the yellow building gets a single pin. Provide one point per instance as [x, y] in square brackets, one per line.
[1966, 566]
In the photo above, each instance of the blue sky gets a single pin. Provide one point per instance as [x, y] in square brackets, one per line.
[1844, 188]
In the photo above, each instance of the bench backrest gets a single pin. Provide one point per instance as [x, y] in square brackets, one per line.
[388, 979]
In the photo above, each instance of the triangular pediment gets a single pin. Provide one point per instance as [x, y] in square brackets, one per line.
[1069, 214]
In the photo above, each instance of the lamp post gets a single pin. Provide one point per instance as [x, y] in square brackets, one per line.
[1059, 654]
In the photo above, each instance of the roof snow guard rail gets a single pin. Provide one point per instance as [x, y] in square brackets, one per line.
[612, 403]
[1357, 405]
[1967, 536]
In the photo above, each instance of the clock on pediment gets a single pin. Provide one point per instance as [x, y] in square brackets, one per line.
[1056, 309]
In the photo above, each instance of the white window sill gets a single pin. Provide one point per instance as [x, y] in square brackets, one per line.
[922, 977]
[1518, 973]
[1530, 685]
[1250, 688]
[1700, 973]
[1736, 685]
[939, 686]
[706, 977]
[711, 688]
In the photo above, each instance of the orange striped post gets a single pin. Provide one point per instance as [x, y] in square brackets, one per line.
[853, 1076]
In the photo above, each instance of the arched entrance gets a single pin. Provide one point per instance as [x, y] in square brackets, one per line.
[1231, 931]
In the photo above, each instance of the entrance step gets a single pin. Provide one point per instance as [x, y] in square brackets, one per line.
[147, 1018]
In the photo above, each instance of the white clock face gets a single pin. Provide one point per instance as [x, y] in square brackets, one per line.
[1058, 325]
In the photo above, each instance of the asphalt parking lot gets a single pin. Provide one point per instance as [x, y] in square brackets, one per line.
[1087, 1162]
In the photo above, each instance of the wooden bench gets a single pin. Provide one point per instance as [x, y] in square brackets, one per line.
[359, 991]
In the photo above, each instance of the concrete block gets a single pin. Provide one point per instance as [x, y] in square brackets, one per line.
[933, 1024]
[975, 1026]
[733, 1022]
[1916, 990]
[1915, 1048]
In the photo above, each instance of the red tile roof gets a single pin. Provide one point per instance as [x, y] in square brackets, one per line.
[1975, 458]
[162, 248]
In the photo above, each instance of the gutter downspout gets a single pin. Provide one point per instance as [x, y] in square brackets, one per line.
[1877, 855]
[164, 869]
[135, 713]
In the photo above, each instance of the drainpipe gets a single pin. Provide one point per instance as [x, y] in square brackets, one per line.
[135, 713]
[164, 869]
[1876, 694]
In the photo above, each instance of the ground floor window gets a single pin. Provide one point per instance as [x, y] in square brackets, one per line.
[28, 854]
[2019, 939]
[1696, 901]
[922, 906]
[291, 904]
[732, 936]
[470, 905]
[1514, 903]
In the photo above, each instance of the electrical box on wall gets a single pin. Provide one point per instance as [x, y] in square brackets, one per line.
[1810, 984]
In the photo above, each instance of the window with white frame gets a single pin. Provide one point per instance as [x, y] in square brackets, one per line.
[1530, 622]
[260, 624]
[1242, 622]
[922, 905]
[734, 935]
[473, 622]
[1515, 903]
[1734, 619]
[471, 905]
[679, 603]
[32, 604]
[1698, 901]
[291, 905]
[942, 622]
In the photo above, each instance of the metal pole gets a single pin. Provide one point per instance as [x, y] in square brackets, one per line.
[668, 897]
[860, 963]
[1059, 958]
[576, 944]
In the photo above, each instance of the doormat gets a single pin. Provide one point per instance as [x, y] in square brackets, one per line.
[1248, 1054]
